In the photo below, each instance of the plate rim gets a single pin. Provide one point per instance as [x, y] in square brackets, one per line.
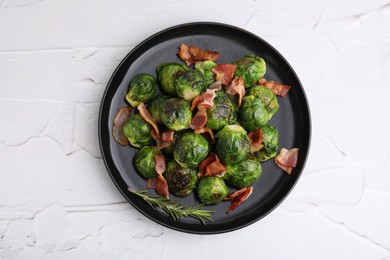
[113, 76]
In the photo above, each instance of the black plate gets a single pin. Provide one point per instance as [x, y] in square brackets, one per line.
[292, 120]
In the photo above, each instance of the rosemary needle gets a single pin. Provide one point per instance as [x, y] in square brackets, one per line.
[175, 209]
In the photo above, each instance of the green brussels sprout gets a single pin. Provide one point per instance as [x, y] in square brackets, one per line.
[189, 84]
[154, 107]
[233, 144]
[251, 68]
[176, 113]
[181, 181]
[206, 68]
[244, 173]
[142, 88]
[136, 130]
[267, 97]
[221, 113]
[270, 148]
[212, 189]
[166, 76]
[144, 161]
[190, 150]
[252, 114]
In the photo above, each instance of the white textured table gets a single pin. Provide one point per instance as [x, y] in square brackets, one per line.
[56, 198]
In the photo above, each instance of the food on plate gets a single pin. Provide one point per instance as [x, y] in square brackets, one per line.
[166, 74]
[209, 132]
[270, 143]
[144, 162]
[212, 189]
[190, 150]
[243, 173]
[189, 84]
[142, 88]
[267, 97]
[137, 131]
[176, 114]
[232, 144]
[251, 68]
[181, 180]
[287, 159]
[253, 114]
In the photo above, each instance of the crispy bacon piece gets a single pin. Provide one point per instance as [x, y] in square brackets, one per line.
[237, 88]
[167, 136]
[238, 197]
[257, 138]
[200, 118]
[147, 117]
[277, 88]
[195, 102]
[224, 73]
[117, 126]
[205, 130]
[217, 85]
[287, 159]
[160, 184]
[208, 98]
[162, 140]
[151, 183]
[211, 166]
[191, 54]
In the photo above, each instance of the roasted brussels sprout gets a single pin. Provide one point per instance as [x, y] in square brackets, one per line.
[244, 173]
[166, 76]
[142, 88]
[252, 114]
[155, 105]
[144, 161]
[136, 130]
[251, 68]
[190, 150]
[221, 113]
[270, 148]
[181, 181]
[267, 97]
[176, 113]
[206, 68]
[212, 189]
[233, 144]
[189, 84]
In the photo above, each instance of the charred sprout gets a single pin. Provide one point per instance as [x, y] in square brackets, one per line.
[181, 180]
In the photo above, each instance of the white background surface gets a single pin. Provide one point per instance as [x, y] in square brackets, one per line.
[56, 198]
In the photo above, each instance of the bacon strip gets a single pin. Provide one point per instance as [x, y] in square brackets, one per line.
[191, 54]
[195, 102]
[277, 88]
[287, 159]
[117, 126]
[167, 136]
[257, 138]
[238, 197]
[151, 183]
[205, 130]
[147, 117]
[211, 166]
[224, 73]
[237, 88]
[200, 118]
[161, 184]
[217, 85]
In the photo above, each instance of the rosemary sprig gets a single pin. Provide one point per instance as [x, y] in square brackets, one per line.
[175, 209]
